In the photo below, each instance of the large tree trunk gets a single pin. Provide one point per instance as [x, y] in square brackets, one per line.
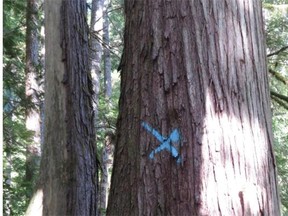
[194, 131]
[68, 166]
[32, 93]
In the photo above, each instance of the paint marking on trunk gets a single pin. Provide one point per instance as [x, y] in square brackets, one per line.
[166, 143]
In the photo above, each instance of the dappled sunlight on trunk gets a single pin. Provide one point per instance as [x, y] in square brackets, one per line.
[238, 169]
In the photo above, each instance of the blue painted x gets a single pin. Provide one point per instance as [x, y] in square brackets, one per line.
[165, 142]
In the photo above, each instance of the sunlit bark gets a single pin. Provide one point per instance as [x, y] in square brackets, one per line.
[106, 162]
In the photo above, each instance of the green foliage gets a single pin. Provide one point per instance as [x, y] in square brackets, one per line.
[16, 137]
[108, 112]
[281, 151]
[116, 18]
[277, 39]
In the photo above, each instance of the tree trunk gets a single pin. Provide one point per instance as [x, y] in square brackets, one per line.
[95, 51]
[7, 189]
[32, 93]
[107, 153]
[7, 171]
[194, 130]
[107, 58]
[107, 161]
[95, 57]
[68, 166]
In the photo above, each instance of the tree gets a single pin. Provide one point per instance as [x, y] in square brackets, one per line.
[15, 135]
[95, 52]
[32, 92]
[194, 131]
[106, 162]
[68, 166]
[107, 59]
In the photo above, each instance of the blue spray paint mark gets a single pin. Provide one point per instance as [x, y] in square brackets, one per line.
[166, 143]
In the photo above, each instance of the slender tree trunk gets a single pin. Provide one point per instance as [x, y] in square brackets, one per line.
[194, 130]
[32, 93]
[107, 161]
[7, 198]
[95, 57]
[42, 82]
[95, 51]
[68, 167]
[107, 153]
[7, 172]
[107, 58]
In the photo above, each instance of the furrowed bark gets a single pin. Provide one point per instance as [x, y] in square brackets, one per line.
[196, 72]
[68, 166]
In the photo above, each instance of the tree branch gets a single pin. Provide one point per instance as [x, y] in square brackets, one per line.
[114, 9]
[282, 97]
[278, 76]
[278, 51]
[94, 34]
[280, 102]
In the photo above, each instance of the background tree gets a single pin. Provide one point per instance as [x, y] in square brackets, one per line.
[194, 131]
[68, 166]
[95, 50]
[16, 136]
[106, 86]
[107, 59]
[106, 163]
[32, 91]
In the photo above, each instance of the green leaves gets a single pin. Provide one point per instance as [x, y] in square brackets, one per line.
[276, 17]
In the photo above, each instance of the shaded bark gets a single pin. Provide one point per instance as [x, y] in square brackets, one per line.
[68, 183]
[194, 131]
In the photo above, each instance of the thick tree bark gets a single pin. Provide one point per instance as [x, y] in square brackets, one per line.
[194, 130]
[68, 166]
[32, 93]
